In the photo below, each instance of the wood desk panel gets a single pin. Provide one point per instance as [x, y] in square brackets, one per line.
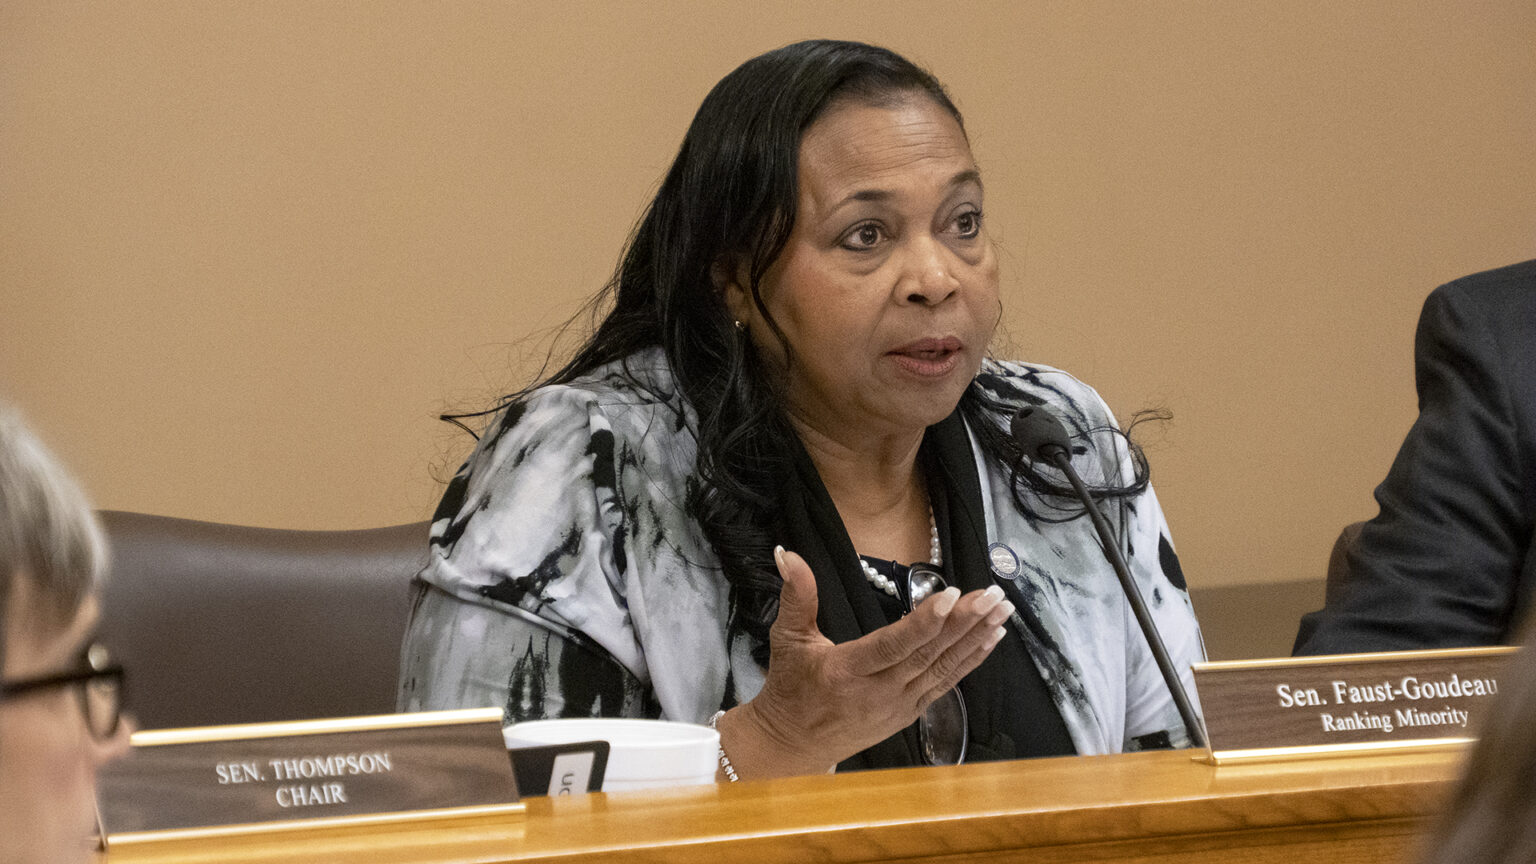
[1149, 807]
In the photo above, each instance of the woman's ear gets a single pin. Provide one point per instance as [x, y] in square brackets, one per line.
[733, 290]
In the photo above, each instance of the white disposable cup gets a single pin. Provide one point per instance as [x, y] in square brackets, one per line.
[642, 754]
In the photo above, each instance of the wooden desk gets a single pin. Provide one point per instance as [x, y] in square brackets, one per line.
[1147, 807]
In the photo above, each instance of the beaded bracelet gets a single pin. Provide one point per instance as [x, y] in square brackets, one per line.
[725, 761]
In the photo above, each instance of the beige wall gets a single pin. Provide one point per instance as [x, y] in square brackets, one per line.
[249, 250]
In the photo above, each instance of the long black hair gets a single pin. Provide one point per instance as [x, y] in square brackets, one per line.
[727, 205]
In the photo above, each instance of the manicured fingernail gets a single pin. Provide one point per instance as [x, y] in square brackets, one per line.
[994, 592]
[1001, 613]
[992, 640]
[778, 555]
[945, 601]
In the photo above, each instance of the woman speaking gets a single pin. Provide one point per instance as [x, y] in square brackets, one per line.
[775, 488]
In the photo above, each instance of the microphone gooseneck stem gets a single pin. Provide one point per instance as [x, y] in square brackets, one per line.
[1058, 456]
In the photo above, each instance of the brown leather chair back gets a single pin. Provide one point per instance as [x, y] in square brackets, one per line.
[229, 624]
[1247, 622]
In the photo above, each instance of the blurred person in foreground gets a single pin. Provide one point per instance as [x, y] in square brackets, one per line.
[1490, 817]
[793, 355]
[59, 692]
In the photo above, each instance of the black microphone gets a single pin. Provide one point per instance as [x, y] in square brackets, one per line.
[1044, 439]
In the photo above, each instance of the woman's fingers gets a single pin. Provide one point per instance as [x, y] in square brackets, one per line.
[895, 670]
[949, 667]
[893, 645]
[959, 659]
[909, 647]
[964, 667]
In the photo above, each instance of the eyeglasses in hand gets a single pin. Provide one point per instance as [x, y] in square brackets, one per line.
[943, 732]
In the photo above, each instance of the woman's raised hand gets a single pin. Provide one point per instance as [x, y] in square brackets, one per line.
[822, 703]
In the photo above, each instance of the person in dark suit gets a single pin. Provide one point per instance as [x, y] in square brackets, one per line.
[1449, 561]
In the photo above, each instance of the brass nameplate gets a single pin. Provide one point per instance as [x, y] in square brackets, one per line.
[234, 779]
[1346, 704]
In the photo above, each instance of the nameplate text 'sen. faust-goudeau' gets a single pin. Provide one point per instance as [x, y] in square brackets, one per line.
[1349, 703]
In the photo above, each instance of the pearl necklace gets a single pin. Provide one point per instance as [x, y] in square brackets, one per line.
[935, 557]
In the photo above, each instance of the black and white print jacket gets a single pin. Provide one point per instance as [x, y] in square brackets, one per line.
[567, 579]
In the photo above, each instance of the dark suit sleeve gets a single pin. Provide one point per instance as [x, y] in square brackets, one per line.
[1440, 566]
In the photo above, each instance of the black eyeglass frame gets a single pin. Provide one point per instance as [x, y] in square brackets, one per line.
[934, 583]
[84, 677]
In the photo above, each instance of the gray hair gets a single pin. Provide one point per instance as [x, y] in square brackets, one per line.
[47, 529]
